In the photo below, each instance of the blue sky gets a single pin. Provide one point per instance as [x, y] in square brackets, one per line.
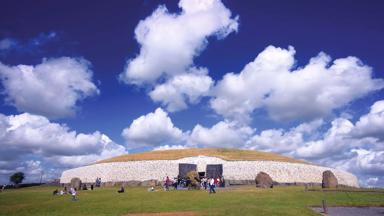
[90, 80]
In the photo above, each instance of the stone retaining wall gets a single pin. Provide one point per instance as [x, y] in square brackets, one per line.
[281, 172]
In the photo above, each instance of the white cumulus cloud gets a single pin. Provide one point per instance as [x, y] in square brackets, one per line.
[181, 88]
[31, 143]
[52, 88]
[372, 124]
[27, 133]
[169, 42]
[223, 134]
[284, 141]
[153, 129]
[273, 82]
[336, 139]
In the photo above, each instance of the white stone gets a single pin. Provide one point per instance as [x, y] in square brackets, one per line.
[282, 172]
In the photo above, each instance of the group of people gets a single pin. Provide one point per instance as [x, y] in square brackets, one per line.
[217, 182]
[72, 191]
[205, 183]
[212, 183]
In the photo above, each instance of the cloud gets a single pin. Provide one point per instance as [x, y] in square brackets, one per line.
[52, 88]
[345, 145]
[284, 141]
[27, 133]
[176, 91]
[365, 133]
[32, 45]
[287, 92]
[222, 134]
[335, 140]
[372, 124]
[169, 42]
[369, 162]
[107, 149]
[31, 143]
[169, 147]
[153, 129]
[7, 43]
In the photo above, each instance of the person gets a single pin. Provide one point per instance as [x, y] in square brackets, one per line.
[222, 181]
[205, 183]
[73, 192]
[218, 182]
[212, 185]
[121, 190]
[85, 187]
[174, 184]
[61, 193]
[167, 181]
[91, 186]
[55, 192]
[178, 180]
[3, 187]
[98, 182]
[151, 189]
[65, 190]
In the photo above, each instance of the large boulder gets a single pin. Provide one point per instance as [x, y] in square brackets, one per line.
[263, 180]
[193, 176]
[76, 183]
[329, 180]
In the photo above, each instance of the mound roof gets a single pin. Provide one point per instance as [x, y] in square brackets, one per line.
[225, 154]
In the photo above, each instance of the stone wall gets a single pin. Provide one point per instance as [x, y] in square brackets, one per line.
[281, 172]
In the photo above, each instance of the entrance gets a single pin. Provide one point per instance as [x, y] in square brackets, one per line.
[184, 168]
[214, 170]
[201, 175]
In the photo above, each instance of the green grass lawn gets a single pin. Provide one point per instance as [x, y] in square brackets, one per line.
[241, 201]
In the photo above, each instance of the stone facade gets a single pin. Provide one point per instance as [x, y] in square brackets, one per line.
[281, 172]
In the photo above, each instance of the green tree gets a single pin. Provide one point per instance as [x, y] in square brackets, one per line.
[17, 178]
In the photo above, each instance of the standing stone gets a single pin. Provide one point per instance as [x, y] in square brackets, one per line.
[76, 183]
[193, 176]
[329, 180]
[263, 180]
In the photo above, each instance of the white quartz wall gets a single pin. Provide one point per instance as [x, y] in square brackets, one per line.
[281, 172]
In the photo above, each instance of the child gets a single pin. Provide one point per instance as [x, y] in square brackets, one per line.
[73, 194]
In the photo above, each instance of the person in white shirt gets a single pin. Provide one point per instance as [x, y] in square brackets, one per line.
[212, 185]
[73, 192]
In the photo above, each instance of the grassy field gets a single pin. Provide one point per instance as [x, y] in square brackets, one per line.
[242, 201]
[226, 154]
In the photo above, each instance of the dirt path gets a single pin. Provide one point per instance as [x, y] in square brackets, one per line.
[163, 214]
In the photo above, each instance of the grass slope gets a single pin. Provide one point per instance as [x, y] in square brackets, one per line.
[238, 201]
[226, 154]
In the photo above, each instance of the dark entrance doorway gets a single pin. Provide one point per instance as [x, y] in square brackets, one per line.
[184, 168]
[201, 175]
[214, 170]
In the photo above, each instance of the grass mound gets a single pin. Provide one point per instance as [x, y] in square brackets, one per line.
[225, 154]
